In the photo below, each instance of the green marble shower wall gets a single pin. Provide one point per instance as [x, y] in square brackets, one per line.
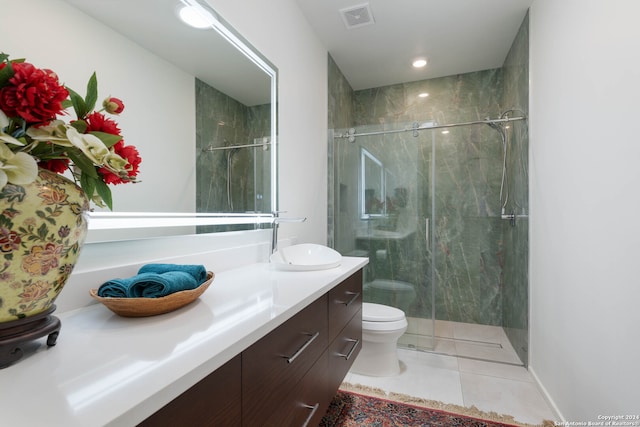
[515, 311]
[222, 121]
[481, 260]
[467, 172]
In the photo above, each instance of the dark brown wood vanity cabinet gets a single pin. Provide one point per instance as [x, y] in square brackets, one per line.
[345, 328]
[214, 401]
[288, 377]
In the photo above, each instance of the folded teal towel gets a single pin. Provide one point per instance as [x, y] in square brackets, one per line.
[197, 271]
[148, 285]
[115, 288]
[155, 285]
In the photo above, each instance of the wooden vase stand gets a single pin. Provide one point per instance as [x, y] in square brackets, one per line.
[16, 333]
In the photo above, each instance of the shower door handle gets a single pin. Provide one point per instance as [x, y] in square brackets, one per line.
[426, 230]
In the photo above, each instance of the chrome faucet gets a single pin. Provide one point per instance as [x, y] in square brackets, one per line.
[276, 224]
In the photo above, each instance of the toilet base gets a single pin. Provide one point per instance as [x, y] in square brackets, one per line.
[377, 360]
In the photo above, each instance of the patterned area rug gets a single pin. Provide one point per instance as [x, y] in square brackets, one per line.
[350, 409]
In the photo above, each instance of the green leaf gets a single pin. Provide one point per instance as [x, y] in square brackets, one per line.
[79, 105]
[5, 74]
[105, 193]
[82, 162]
[4, 57]
[92, 93]
[107, 139]
[80, 125]
[88, 185]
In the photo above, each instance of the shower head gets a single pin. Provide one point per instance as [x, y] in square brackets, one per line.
[493, 125]
[496, 126]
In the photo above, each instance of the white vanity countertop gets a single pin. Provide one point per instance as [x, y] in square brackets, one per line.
[108, 370]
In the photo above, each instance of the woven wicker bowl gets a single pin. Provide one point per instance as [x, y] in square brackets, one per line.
[143, 307]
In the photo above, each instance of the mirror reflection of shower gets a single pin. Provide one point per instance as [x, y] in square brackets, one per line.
[231, 152]
[245, 166]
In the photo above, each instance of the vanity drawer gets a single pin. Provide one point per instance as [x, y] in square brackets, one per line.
[307, 403]
[345, 300]
[273, 366]
[214, 401]
[344, 350]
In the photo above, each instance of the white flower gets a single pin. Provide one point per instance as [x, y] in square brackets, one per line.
[91, 145]
[115, 162]
[16, 168]
[4, 122]
[56, 132]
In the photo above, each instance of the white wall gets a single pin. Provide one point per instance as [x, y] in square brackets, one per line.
[52, 34]
[585, 200]
[278, 29]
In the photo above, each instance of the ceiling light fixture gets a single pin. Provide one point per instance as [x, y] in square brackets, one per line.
[423, 95]
[419, 62]
[195, 16]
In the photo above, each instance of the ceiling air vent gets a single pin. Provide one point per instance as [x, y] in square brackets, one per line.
[357, 16]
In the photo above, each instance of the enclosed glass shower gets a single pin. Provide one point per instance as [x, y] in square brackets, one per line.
[440, 209]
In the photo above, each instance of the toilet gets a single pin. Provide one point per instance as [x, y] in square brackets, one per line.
[381, 327]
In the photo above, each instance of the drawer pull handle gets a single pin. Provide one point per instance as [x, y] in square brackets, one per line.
[353, 348]
[314, 408]
[354, 297]
[303, 348]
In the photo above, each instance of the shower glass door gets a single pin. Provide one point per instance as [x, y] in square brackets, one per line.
[426, 207]
[467, 225]
[382, 210]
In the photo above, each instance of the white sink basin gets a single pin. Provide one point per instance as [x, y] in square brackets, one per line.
[305, 257]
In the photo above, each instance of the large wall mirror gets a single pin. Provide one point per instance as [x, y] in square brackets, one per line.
[200, 106]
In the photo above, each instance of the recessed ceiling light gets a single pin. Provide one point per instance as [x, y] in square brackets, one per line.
[419, 62]
[195, 16]
[444, 132]
[423, 95]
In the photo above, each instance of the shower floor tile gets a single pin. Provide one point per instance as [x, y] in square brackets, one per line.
[469, 340]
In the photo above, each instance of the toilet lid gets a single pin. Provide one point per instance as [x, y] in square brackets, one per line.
[380, 313]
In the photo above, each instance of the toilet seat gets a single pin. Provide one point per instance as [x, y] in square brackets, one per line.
[372, 312]
[398, 325]
[378, 317]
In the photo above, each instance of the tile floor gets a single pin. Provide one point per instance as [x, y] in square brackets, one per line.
[456, 371]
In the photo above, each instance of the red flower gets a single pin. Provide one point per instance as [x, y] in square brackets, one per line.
[132, 156]
[113, 105]
[32, 93]
[55, 165]
[99, 123]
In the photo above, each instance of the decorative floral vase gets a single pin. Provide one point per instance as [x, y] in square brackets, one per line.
[42, 229]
